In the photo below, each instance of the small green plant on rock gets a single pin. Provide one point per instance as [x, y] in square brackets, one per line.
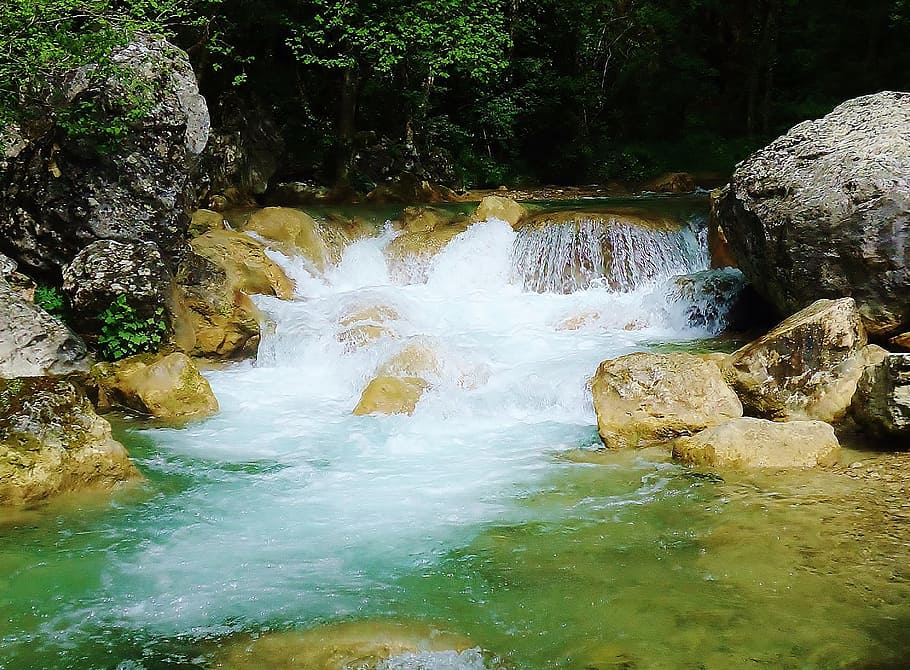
[124, 333]
[50, 300]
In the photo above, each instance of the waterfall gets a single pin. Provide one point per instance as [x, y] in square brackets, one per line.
[565, 256]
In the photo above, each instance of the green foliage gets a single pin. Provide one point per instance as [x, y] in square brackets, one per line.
[125, 333]
[50, 300]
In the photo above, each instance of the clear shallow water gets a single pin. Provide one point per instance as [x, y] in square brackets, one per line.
[286, 512]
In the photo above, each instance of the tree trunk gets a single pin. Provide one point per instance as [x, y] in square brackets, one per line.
[347, 126]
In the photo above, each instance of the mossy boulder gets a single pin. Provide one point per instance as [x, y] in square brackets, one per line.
[166, 387]
[52, 442]
[644, 399]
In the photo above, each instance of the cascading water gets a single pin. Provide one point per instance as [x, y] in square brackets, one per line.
[286, 511]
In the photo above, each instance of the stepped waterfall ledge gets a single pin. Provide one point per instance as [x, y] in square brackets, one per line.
[409, 474]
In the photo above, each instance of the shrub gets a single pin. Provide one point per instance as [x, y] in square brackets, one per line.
[125, 333]
[50, 300]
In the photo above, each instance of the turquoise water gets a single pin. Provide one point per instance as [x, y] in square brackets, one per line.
[488, 514]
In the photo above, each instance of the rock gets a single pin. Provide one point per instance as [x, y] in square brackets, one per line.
[422, 219]
[497, 207]
[644, 399]
[204, 220]
[416, 359]
[409, 189]
[672, 182]
[710, 296]
[391, 395]
[243, 152]
[340, 231]
[298, 194]
[363, 644]
[106, 269]
[410, 255]
[759, 443]
[51, 442]
[374, 314]
[901, 341]
[718, 247]
[33, 343]
[60, 192]
[882, 401]
[292, 232]
[223, 320]
[363, 334]
[804, 368]
[165, 387]
[244, 262]
[824, 212]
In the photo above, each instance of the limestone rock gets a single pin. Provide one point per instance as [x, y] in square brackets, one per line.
[644, 399]
[410, 255]
[168, 387]
[422, 219]
[672, 182]
[497, 207]
[416, 359]
[824, 212]
[410, 189]
[33, 343]
[376, 314]
[804, 368]
[363, 644]
[204, 220]
[223, 320]
[292, 232]
[759, 443]
[245, 263]
[363, 334]
[391, 395]
[106, 269]
[51, 442]
[882, 401]
[59, 193]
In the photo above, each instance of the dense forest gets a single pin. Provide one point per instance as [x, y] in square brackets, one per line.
[480, 92]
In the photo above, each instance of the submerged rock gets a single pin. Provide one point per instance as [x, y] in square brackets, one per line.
[361, 645]
[52, 442]
[824, 212]
[806, 367]
[643, 399]
[409, 255]
[759, 443]
[497, 207]
[292, 232]
[33, 343]
[60, 192]
[168, 387]
[882, 401]
[388, 394]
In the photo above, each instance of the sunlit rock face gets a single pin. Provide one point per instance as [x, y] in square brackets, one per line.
[758, 443]
[824, 212]
[644, 399]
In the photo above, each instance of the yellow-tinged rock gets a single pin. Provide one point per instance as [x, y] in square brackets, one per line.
[52, 442]
[423, 219]
[579, 321]
[759, 443]
[292, 232]
[377, 314]
[169, 387]
[416, 359]
[645, 399]
[391, 395]
[672, 182]
[205, 220]
[497, 207]
[362, 645]
[363, 334]
[409, 255]
[244, 262]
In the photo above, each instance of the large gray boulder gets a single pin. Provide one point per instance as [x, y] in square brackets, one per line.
[882, 401]
[33, 343]
[824, 212]
[60, 191]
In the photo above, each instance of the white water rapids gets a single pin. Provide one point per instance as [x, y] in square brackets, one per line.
[306, 512]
